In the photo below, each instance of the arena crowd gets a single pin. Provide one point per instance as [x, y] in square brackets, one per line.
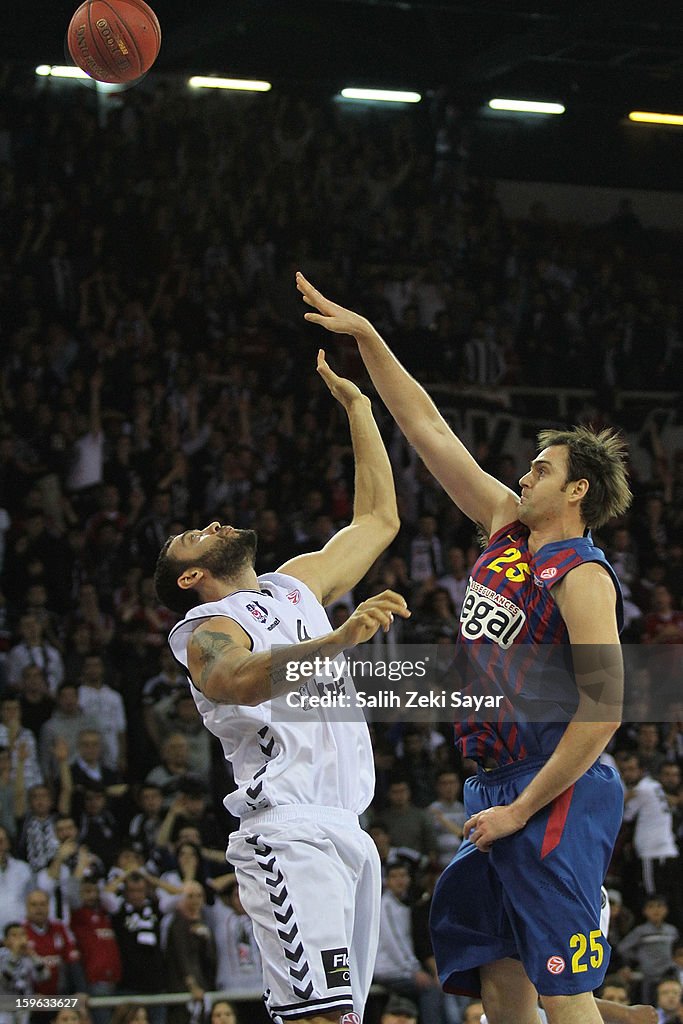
[157, 375]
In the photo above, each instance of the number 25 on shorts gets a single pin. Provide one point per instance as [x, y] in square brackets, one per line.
[580, 943]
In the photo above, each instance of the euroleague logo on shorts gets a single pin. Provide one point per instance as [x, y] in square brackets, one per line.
[549, 573]
[555, 964]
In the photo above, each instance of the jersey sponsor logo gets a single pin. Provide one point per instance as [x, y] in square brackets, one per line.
[258, 611]
[486, 613]
[549, 573]
[276, 622]
[336, 966]
[555, 964]
[294, 596]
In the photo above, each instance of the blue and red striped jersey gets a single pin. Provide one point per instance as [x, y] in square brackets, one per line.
[513, 642]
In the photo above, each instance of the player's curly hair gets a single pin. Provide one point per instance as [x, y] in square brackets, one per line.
[166, 574]
[600, 458]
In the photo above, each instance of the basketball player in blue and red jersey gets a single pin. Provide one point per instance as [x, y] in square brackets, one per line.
[517, 912]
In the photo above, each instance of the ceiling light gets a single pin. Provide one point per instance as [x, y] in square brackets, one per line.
[60, 71]
[381, 95]
[648, 117]
[527, 106]
[236, 84]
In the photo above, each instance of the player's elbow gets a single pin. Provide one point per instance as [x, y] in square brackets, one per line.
[380, 526]
[390, 525]
[607, 731]
[231, 689]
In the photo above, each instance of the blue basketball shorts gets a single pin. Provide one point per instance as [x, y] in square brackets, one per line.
[536, 896]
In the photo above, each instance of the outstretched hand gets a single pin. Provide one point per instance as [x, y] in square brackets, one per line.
[370, 616]
[331, 316]
[345, 391]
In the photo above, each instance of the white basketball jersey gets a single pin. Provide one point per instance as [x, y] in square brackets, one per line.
[280, 756]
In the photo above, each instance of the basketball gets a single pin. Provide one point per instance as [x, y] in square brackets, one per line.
[114, 40]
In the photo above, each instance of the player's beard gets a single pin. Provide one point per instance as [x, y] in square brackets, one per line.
[230, 556]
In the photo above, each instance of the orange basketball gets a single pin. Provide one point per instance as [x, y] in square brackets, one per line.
[114, 40]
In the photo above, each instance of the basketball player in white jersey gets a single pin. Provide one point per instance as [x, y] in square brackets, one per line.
[309, 876]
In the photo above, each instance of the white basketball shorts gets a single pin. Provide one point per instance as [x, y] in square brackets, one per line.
[310, 880]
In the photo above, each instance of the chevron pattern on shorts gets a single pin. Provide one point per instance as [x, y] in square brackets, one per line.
[283, 912]
[267, 741]
[256, 801]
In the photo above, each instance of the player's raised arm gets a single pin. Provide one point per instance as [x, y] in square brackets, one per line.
[346, 558]
[223, 667]
[481, 497]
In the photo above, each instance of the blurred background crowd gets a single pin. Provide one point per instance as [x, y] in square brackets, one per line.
[157, 375]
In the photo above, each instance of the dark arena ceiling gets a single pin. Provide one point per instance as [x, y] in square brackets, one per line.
[604, 53]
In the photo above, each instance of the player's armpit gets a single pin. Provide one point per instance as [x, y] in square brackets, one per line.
[216, 651]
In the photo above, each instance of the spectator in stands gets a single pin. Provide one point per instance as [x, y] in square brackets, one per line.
[399, 1010]
[169, 681]
[416, 764]
[669, 1001]
[129, 1013]
[19, 741]
[175, 764]
[190, 951]
[670, 778]
[409, 826]
[434, 617]
[663, 624]
[106, 705]
[448, 814]
[388, 854]
[137, 928]
[36, 703]
[190, 809]
[71, 863]
[654, 841]
[15, 881]
[648, 748]
[143, 829]
[178, 714]
[96, 940]
[397, 967]
[65, 723]
[53, 941]
[222, 1013]
[98, 828]
[20, 970]
[12, 795]
[425, 559]
[456, 579]
[615, 990]
[189, 867]
[678, 961]
[34, 649]
[650, 945]
[621, 921]
[38, 841]
[89, 767]
[622, 556]
[237, 955]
